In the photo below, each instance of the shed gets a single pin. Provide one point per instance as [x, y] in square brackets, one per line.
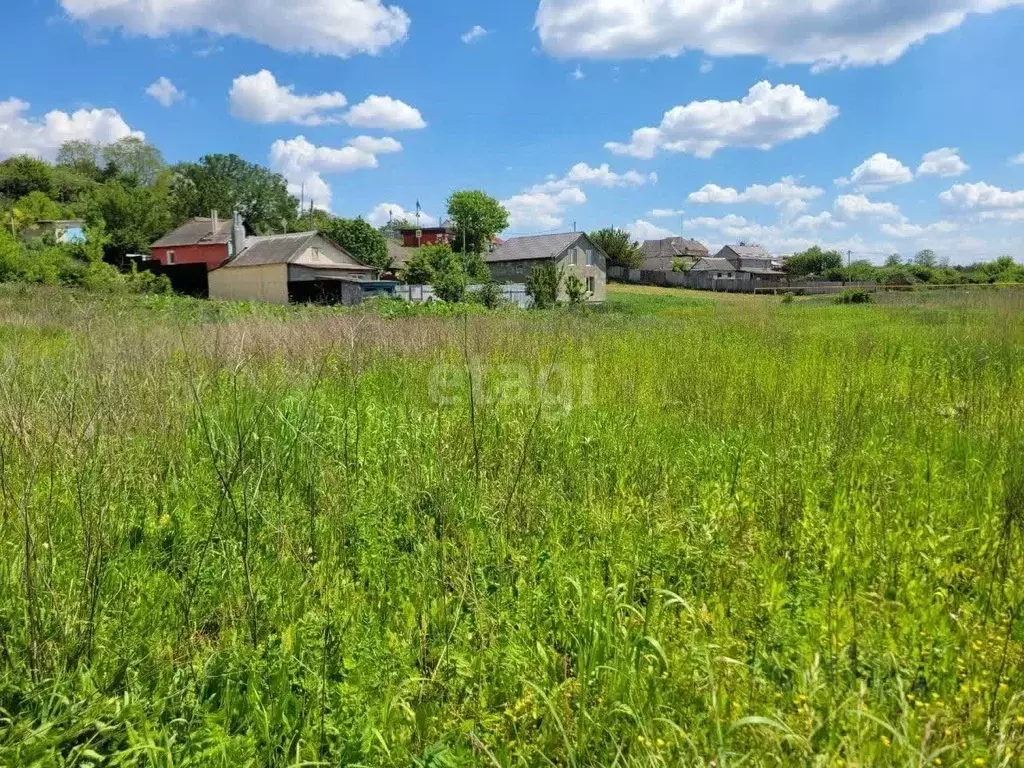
[297, 267]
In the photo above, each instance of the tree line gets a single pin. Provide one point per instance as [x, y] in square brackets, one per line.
[923, 267]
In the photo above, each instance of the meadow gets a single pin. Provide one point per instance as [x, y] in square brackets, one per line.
[679, 530]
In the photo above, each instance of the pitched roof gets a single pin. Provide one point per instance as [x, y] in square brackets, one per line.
[533, 247]
[749, 251]
[713, 264]
[398, 253]
[673, 246]
[290, 249]
[198, 231]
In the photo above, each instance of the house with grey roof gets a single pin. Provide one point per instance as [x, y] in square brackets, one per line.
[752, 259]
[295, 267]
[720, 269]
[662, 255]
[516, 258]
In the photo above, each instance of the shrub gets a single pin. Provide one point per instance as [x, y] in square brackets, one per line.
[854, 296]
[575, 290]
[544, 284]
[489, 295]
[787, 298]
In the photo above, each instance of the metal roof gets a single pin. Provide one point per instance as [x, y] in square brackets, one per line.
[534, 247]
[713, 264]
[749, 251]
[398, 253]
[289, 249]
[198, 231]
[673, 246]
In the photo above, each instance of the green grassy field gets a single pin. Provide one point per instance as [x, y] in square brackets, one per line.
[680, 530]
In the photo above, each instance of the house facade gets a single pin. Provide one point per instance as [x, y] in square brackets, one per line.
[298, 267]
[415, 237]
[197, 241]
[661, 255]
[515, 259]
[750, 258]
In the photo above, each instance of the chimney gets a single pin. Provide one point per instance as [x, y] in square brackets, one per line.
[215, 222]
[237, 234]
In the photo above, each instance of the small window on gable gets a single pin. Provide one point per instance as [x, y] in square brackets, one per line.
[590, 257]
[170, 257]
[572, 256]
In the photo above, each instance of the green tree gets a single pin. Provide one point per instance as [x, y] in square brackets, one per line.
[893, 260]
[34, 207]
[361, 239]
[926, 258]
[475, 267]
[227, 183]
[133, 158]
[478, 217]
[620, 248]
[82, 157]
[814, 261]
[418, 270]
[545, 284]
[132, 217]
[21, 175]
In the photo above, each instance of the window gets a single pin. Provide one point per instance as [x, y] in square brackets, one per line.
[590, 257]
[317, 253]
[719, 275]
[572, 257]
[170, 257]
[591, 284]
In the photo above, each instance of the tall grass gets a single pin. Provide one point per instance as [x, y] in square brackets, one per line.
[671, 534]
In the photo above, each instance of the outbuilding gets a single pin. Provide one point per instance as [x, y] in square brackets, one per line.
[296, 267]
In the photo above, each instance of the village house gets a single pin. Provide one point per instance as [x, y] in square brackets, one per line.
[515, 259]
[197, 241]
[750, 258]
[415, 236]
[662, 255]
[297, 267]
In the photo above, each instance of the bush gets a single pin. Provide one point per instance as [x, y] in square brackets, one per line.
[544, 285]
[575, 290]
[489, 295]
[787, 298]
[854, 296]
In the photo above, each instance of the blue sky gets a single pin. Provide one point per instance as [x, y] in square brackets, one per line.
[785, 126]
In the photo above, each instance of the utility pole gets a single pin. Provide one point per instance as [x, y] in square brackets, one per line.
[849, 265]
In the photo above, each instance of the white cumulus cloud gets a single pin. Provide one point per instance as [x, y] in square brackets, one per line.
[666, 213]
[165, 92]
[543, 205]
[385, 212]
[21, 134]
[982, 196]
[942, 162]
[330, 27]
[1017, 159]
[385, 113]
[787, 192]
[856, 206]
[474, 34]
[878, 172]
[304, 164]
[259, 98]
[768, 115]
[642, 230]
[823, 34]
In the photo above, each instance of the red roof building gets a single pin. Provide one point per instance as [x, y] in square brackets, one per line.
[197, 241]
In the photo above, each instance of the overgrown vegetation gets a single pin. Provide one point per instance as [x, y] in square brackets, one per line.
[685, 533]
[923, 268]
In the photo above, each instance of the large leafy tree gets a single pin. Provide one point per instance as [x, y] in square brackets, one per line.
[620, 248]
[83, 157]
[132, 216]
[478, 217]
[134, 160]
[814, 261]
[227, 183]
[925, 258]
[22, 175]
[361, 239]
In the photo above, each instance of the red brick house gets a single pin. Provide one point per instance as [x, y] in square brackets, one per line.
[197, 241]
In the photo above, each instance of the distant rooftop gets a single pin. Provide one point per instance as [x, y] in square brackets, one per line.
[197, 231]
